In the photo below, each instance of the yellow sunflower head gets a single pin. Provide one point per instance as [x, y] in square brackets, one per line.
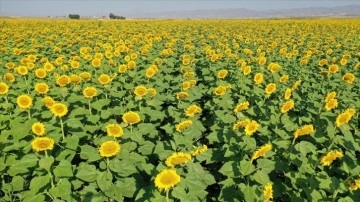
[41, 88]
[109, 149]
[104, 79]
[114, 130]
[89, 92]
[167, 179]
[24, 101]
[59, 109]
[4, 88]
[270, 88]
[131, 117]
[42, 144]
[38, 128]
[177, 159]
[140, 91]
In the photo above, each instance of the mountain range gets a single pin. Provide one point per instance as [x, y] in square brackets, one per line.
[340, 11]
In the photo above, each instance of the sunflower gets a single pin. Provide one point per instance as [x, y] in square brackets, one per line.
[24, 101]
[140, 91]
[261, 151]
[222, 73]
[122, 68]
[343, 118]
[150, 72]
[48, 101]
[41, 88]
[288, 92]
[42, 144]
[354, 185]
[182, 95]
[192, 110]
[246, 70]
[166, 179]
[104, 79]
[177, 159]
[59, 109]
[90, 92]
[287, 106]
[258, 78]
[199, 150]
[96, 62]
[241, 106]
[268, 192]
[296, 85]
[330, 96]
[348, 78]
[86, 76]
[48, 67]
[333, 69]
[131, 64]
[152, 92]
[251, 128]
[38, 128]
[284, 78]
[330, 157]
[186, 85]
[9, 77]
[4, 88]
[155, 68]
[220, 90]
[109, 149]
[262, 60]
[350, 111]
[241, 124]
[75, 79]
[131, 117]
[114, 130]
[63, 80]
[40, 73]
[331, 104]
[270, 88]
[274, 67]
[75, 64]
[183, 125]
[304, 130]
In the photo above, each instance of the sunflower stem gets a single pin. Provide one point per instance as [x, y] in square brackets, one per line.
[89, 107]
[29, 114]
[49, 172]
[107, 165]
[62, 128]
[167, 195]
[7, 105]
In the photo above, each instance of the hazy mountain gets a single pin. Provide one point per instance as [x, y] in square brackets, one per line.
[352, 10]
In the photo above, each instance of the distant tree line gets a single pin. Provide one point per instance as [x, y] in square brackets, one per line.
[113, 16]
[74, 16]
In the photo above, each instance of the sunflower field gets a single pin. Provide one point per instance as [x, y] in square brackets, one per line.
[180, 110]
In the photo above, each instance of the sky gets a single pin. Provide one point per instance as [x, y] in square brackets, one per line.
[141, 7]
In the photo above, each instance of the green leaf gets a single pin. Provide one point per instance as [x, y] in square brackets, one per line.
[246, 167]
[64, 169]
[305, 147]
[228, 169]
[74, 123]
[89, 153]
[17, 183]
[104, 182]
[38, 183]
[126, 187]
[261, 177]
[266, 165]
[46, 163]
[21, 166]
[86, 172]
[64, 186]
[99, 104]
[123, 168]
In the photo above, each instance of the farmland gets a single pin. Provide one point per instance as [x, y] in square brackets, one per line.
[180, 110]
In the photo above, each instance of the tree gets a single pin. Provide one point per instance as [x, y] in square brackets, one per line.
[74, 16]
[113, 16]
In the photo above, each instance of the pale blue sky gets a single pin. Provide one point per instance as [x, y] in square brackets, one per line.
[141, 7]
